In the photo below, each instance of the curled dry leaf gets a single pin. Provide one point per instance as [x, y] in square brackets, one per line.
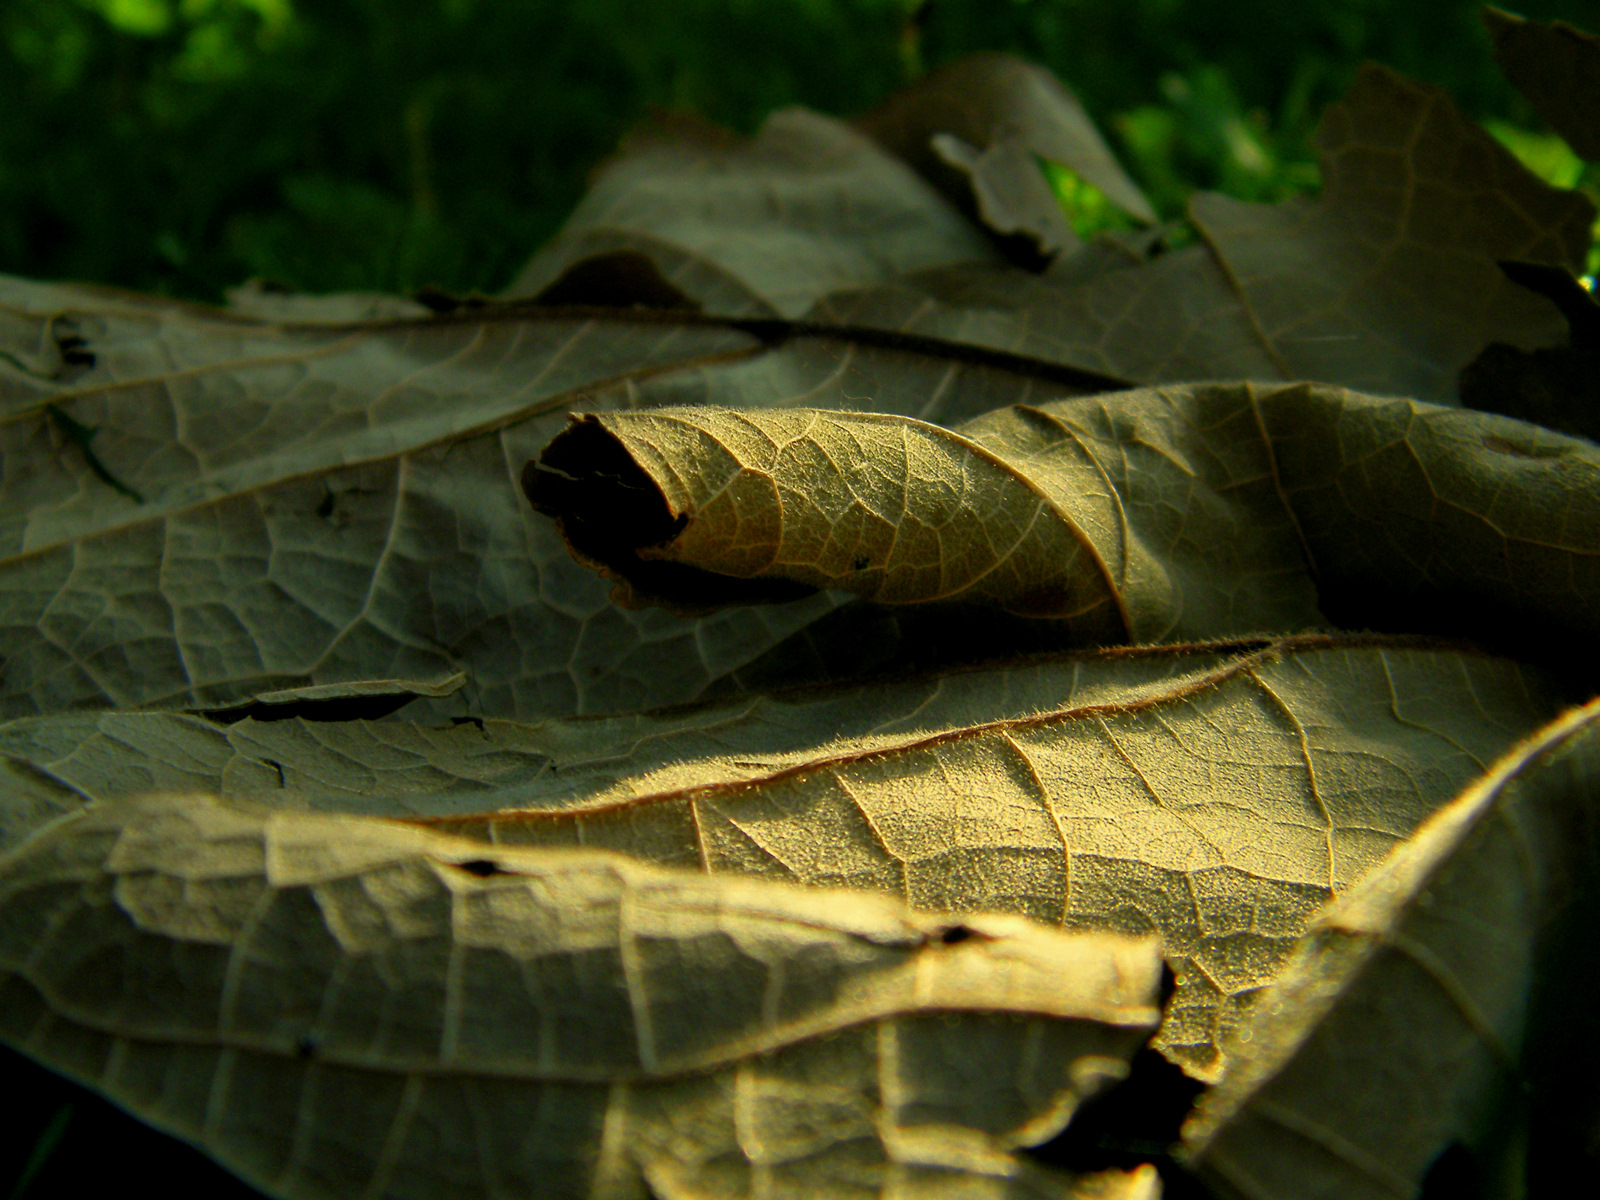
[340, 504]
[1399, 1024]
[1167, 513]
[337, 1006]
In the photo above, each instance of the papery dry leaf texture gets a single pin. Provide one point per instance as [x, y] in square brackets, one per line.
[1400, 1023]
[337, 1006]
[1216, 794]
[351, 832]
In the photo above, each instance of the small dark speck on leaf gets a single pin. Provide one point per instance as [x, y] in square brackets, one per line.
[951, 934]
[305, 1047]
[325, 509]
[481, 867]
[861, 563]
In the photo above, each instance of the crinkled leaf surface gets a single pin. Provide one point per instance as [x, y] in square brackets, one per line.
[296, 480]
[1216, 794]
[367, 1009]
[229, 540]
[1399, 1023]
[1172, 319]
[1387, 281]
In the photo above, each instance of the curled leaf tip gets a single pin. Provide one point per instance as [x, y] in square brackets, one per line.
[612, 515]
[695, 509]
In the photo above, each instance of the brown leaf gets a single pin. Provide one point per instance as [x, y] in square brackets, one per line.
[760, 226]
[334, 1006]
[1215, 794]
[1178, 513]
[263, 302]
[1397, 1026]
[1038, 511]
[1387, 281]
[1174, 318]
[296, 482]
[226, 543]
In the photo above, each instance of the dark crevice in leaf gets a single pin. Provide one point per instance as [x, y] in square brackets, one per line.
[483, 868]
[341, 708]
[1561, 288]
[442, 303]
[1557, 386]
[82, 435]
[1454, 1175]
[866, 640]
[1561, 1057]
[621, 279]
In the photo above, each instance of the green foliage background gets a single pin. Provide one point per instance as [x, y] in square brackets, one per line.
[181, 146]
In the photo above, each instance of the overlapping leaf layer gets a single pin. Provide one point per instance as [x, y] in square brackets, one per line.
[954, 661]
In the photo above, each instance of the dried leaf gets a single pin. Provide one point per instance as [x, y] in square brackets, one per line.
[1178, 513]
[331, 528]
[263, 302]
[1387, 281]
[336, 1006]
[297, 481]
[1218, 795]
[1173, 319]
[762, 226]
[1397, 1026]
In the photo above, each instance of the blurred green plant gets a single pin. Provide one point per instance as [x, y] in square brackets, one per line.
[181, 146]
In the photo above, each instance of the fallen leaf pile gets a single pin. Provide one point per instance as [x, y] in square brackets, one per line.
[820, 690]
